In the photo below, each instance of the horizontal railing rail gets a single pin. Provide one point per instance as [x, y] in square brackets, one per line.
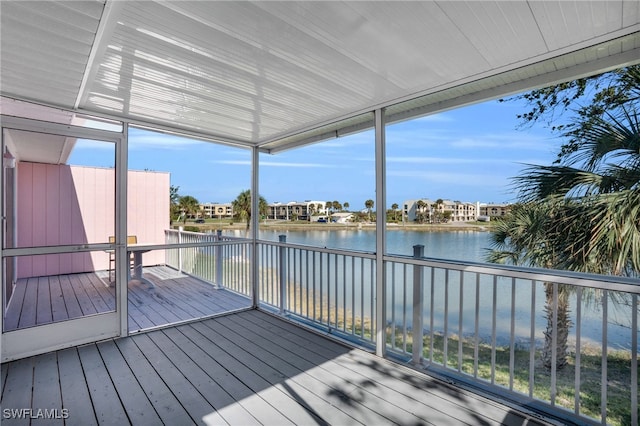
[626, 284]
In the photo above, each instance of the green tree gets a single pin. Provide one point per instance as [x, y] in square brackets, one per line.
[188, 206]
[242, 206]
[336, 205]
[585, 100]
[583, 212]
[329, 206]
[597, 177]
[527, 236]
[394, 207]
[438, 208]
[174, 199]
[346, 205]
[420, 204]
[369, 205]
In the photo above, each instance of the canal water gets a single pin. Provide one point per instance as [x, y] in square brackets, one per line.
[454, 245]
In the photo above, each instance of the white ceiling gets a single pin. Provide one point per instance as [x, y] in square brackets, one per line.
[277, 74]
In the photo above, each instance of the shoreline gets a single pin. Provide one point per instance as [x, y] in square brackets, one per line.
[306, 226]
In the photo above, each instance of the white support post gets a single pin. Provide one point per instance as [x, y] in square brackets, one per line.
[218, 251]
[122, 264]
[180, 229]
[418, 285]
[282, 273]
[255, 223]
[380, 233]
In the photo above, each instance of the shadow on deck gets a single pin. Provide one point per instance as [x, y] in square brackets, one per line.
[239, 369]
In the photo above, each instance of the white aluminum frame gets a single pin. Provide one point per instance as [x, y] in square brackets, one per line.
[381, 228]
[45, 338]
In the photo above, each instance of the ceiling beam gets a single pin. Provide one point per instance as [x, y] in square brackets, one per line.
[107, 25]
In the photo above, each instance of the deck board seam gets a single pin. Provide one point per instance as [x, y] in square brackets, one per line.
[216, 343]
[299, 370]
[355, 391]
[481, 399]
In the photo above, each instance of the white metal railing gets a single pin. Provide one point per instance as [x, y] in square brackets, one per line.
[221, 260]
[331, 288]
[482, 324]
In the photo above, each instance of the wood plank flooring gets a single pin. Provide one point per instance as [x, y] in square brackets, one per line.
[239, 369]
[176, 297]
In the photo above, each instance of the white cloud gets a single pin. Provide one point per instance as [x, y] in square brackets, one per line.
[295, 164]
[508, 140]
[233, 162]
[434, 160]
[453, 179]
[277, 164]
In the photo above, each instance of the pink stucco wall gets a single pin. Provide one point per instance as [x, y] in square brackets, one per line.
[60, 205]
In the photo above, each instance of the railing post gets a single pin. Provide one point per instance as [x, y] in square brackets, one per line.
[282, 272]
[418, 284]
[218, 251]
[180, 228]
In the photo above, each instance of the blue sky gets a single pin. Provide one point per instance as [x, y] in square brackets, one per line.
[468, 154]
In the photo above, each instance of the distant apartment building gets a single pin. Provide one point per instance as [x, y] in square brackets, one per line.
[494, 210]
[464, 212]
[216, 210]
[430, 211]
[296, 210]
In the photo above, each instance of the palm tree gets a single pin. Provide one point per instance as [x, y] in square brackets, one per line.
[526, 237]
[600, 186]
[329, 205]
[188, 205]
[345, 205]
[242, 206]
[420, 215]
[582, 214]
[311, 209]
[174, 199]
[394, 207]
[369, 205]
[437, 206]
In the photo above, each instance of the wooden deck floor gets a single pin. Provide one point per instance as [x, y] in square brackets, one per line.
[240, 369]
[176, 297]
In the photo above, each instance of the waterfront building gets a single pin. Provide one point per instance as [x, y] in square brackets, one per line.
[295, 210]
[428, 211]
[216, 210]
[494, 210]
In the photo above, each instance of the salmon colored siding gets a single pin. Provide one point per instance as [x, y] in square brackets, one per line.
[62, 205]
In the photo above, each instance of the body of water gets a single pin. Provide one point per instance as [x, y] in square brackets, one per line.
[454, 245]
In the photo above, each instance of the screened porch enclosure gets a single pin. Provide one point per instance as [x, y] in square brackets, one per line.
[267, 77]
